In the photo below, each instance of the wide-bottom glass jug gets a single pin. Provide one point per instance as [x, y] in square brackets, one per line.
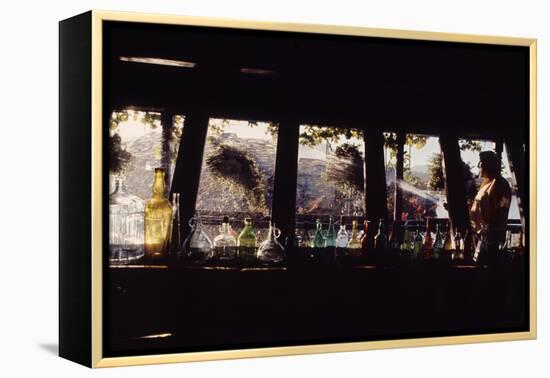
[270, 250]
[197, 246]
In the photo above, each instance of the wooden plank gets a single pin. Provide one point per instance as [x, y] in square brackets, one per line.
[188, 165]
[375, 191]
[286, 168]
[167, 123]
[456, 190]
[398, 196]
[517, 159]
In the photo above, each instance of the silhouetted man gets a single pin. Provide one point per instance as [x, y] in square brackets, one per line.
[489, 211]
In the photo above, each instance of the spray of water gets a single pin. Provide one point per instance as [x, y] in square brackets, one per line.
[424, 194]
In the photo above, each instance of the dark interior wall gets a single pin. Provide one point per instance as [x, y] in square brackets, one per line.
[371, 83]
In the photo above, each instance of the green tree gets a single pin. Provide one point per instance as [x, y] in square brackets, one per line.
[347, 171]
[436, 181]
[239, 173]
[313, 135]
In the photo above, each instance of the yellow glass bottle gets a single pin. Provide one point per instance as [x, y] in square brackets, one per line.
[158, 219]
[354, 242]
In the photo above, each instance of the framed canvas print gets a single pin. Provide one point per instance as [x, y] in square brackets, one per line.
[235, 189]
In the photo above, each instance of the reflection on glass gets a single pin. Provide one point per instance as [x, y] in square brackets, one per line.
[423, 181]
[139, 143]
[331, 178]
[157, 219]
[507, 174]
[125, 225]
[390, 164]
[237, 174]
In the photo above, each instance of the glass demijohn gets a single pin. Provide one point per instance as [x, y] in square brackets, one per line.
[125, 225]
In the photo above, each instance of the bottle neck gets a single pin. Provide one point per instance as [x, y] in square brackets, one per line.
[225, 228]
[119, 186]
[247, 227]
[158, 185]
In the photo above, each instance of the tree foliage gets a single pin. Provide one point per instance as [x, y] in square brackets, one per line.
[347, 171]
[238, 172]
[468, 144]
[436, 181]
[313, 135]
[119, 159]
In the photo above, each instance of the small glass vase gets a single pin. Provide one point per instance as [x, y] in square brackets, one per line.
[270, 250]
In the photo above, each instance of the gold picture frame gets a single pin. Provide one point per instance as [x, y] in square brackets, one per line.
[96, 19]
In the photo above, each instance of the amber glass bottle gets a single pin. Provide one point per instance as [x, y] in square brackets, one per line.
[427, 242]
[158, 219]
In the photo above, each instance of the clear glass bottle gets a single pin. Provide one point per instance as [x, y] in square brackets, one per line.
[246, 242]
[298, 239]
[125, 225]
[158, 219]
[380, 239]
[438, 244]
[354, 242]
[342, 237]
[225, 245]
[270, 250]
[318, 239]
[447, 253]
[330, 241]
[198, 246]
[175, 243]
[458, 247]
[417, 244]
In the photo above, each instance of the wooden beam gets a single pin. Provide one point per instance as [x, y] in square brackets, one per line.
[455, 182]
[517, 159]
[398, 194]
[376, 203]
[167, 123]
[188, 165]
[283, 209]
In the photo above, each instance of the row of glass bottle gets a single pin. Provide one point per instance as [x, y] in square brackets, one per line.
[225, 247]
[411, 244]
[154, 230]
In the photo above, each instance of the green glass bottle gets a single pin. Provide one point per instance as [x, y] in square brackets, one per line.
[380, 239]
[331, 234]
[246, 242]
[318, 239]
[439, 243]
